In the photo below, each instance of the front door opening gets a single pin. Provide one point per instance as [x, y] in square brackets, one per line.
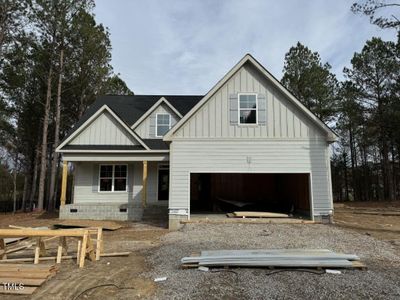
[163, 183]
[228, 192]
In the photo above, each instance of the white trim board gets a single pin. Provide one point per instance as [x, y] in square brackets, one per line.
[91, 119]
[153, 108]
[331, 135]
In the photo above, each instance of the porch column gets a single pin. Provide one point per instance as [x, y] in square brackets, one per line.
[64, 183]
[144, 189]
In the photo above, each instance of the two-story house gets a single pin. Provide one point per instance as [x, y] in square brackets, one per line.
[248, 144]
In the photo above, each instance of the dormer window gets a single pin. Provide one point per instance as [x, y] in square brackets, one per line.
[163, 122]
[247, 108]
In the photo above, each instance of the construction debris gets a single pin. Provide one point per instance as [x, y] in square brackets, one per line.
[23, 278]
[257, 214]
[276, 258]
[158, 279]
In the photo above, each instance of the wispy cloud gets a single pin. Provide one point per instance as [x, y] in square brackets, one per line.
[185, 46]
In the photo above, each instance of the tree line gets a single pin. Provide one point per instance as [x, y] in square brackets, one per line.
[364, 108]
[54, 61]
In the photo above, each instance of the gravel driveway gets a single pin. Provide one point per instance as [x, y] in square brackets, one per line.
[381, 281]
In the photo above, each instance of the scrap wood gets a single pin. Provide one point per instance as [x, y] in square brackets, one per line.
[259, 214]
[106, 225]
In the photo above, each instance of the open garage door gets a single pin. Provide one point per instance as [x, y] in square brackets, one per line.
[228, 192]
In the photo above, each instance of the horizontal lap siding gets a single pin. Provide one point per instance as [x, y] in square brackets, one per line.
[266, 157]
[84, 190]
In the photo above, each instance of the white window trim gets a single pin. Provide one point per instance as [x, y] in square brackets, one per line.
[169, 125]
[239, 109]
[112, 179]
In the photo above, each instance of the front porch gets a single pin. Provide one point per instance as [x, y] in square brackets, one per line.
[113, 189]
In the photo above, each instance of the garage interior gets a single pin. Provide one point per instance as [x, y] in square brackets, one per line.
[217, 193]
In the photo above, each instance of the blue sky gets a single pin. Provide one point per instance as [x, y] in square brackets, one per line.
[186, 46]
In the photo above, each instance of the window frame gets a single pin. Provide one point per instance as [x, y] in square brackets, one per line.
[112, 178]
[169, 123]
[240, 109]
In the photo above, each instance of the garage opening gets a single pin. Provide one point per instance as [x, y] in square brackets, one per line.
[229, 192]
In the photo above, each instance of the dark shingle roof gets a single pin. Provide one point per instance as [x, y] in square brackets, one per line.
[156, 144]
[131, 108]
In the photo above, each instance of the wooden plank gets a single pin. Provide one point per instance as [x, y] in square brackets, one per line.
[28, 290]
[25, 274]
[82, 254]
[28, 267]
[259, 214]
[24, 281]
[30, 259]
[41, 232]
[78, 252]
[99, 243]
[60, 250]
[37, 251]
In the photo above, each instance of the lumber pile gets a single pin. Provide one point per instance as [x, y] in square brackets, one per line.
[275, 258]
[24, 278]
[256, 214]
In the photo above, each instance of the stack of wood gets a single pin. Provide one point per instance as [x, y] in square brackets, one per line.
[24, 278]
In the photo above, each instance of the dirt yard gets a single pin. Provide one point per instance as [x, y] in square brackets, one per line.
[372, 232]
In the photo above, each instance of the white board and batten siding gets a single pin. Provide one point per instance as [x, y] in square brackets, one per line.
[147, 129]
[86, 186]
[287, 142]
[283, 119]
[104, 130]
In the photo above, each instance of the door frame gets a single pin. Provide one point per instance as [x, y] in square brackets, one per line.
[162, 166]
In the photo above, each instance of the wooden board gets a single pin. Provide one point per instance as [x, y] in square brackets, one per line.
[27, 267]
[106, 225]
[41, 232]
[259, 214]
[27, 290]
[24, 281]
[26, 274]
[30, 259]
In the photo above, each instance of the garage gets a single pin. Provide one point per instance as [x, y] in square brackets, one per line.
[227, 192]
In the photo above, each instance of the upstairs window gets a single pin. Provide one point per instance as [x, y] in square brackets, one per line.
[247, 108]
[113, 178]
[163, 122]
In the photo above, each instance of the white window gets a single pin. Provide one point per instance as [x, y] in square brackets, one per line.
[247, 108]
[163, 122]
[113, 178]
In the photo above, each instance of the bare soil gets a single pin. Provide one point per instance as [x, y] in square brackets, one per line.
[124, 272]
[379, 221]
